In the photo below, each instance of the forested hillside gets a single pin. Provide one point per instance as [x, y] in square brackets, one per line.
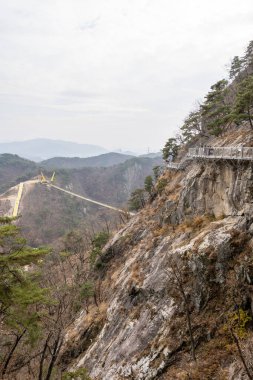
[14, 169]
[104, 160]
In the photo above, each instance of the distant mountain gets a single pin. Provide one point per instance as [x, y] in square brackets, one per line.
[103, 160]
[152, 155]
[42, 149]
[127, 152]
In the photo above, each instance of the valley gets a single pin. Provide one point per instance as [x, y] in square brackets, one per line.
[48, 214]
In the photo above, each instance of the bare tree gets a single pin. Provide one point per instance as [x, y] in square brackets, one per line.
[176, 279]
[241, 355]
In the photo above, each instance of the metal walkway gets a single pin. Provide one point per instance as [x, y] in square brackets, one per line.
[226, 153]
[215, 153]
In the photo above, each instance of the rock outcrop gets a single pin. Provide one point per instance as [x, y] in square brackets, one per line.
[198, 232]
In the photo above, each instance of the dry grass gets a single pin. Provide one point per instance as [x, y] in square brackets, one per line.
[163, 231]
[137, 276]
[195, 224]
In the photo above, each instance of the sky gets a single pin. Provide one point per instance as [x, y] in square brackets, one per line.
[122, 74]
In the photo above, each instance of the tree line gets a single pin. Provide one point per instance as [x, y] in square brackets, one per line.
[228, 103]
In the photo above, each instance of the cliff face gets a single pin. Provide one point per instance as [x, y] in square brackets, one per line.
[221, 189]
[197, 233]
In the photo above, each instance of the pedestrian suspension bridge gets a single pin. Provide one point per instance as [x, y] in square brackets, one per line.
[200, 153]
[214, 153]
[50, 183]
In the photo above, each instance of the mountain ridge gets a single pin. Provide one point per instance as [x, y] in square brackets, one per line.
[103, 160]
[41, 149]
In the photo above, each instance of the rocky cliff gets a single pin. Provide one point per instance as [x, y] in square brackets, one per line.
[176, 282]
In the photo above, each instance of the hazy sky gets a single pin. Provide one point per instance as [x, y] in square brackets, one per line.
[118, 73]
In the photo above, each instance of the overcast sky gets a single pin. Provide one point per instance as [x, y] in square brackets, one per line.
[117, 73]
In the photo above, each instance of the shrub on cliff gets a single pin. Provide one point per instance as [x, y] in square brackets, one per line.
[170, 149]
[137, 200]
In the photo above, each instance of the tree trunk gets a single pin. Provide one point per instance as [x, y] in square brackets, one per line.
[56, 349]
[7, 361]
[43, 357]
[187, 311]
[251, 124]
[190, 332]
[241, 354]
[250, 121]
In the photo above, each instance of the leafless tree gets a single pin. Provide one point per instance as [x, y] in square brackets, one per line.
[176, 280]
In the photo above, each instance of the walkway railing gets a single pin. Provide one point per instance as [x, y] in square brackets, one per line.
[225, 153]
[230, 153]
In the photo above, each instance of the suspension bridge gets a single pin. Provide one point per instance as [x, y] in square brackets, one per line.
[49, 183]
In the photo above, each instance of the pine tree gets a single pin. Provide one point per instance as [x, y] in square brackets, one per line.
[137, 200]
[236, 67]
[20, 292]
[247, 59]
[98, 242]
[192, 126]
[87, 291]
[170, 149]
[215, 111]
[148, 185]
[243, 106]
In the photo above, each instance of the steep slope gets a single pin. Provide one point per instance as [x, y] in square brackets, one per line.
[196, 236]
[103, 160]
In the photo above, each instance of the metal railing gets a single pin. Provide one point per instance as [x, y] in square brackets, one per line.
[208, 152]
[232, 153]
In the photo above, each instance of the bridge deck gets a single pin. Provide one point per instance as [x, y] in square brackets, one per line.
[213, 157]
[215, 153]
[91, 200]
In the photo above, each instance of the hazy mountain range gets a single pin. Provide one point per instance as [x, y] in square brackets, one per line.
[42, 149]
[15, 169]
[103, 160]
